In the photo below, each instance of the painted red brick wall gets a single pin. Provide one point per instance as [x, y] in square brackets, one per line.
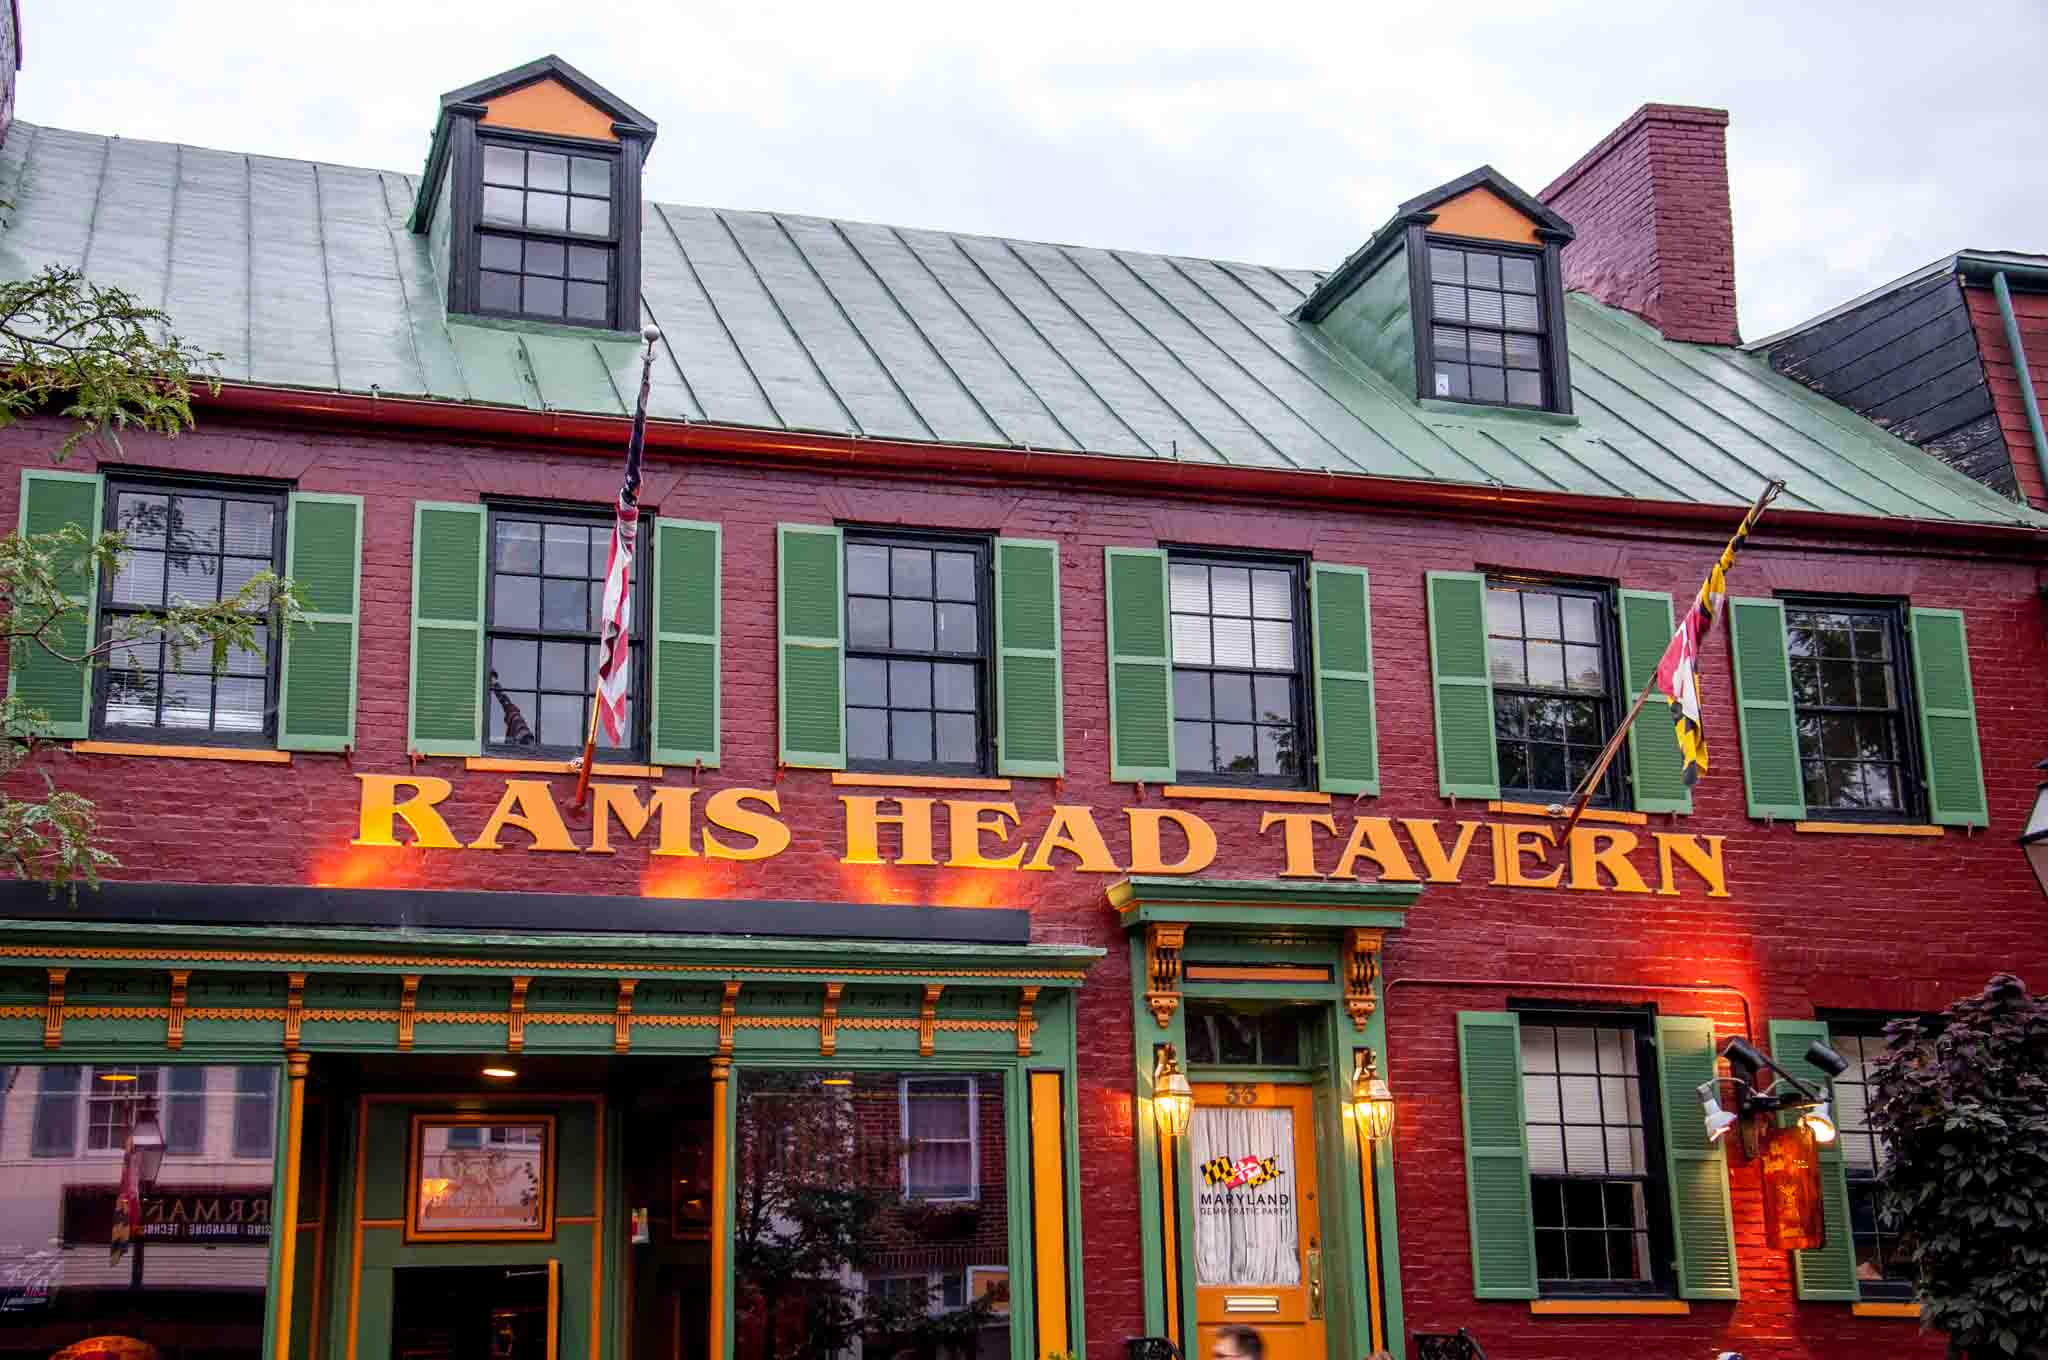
[1811, 920]
[1656, 234]
[2003, 376]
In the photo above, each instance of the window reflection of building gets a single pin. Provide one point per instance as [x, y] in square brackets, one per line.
[871, 1216]
[206, 1226]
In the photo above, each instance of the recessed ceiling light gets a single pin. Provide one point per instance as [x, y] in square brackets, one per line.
[117, 1076]
[837, 1081]
[500, 1072]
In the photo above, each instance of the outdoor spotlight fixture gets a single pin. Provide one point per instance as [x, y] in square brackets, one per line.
[146, 1145]
[1173, 1100]
[1372, 1104]
[1821, 1120]
[2035, 839]
[1757, 1102]
[1719, 1121]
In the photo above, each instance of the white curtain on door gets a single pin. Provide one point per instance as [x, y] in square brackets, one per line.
[1245, 1234]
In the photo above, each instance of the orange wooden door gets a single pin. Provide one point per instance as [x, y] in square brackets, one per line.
[1257, 1229]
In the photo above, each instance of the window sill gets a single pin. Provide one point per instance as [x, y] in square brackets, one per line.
[1449, 406]
[1885, 1310]
[1589, 815]
[1246, 794]
[254, 755]
[1609, 1307]
[857, 779]
[1868, 829]
[497, 765]
[536, 326]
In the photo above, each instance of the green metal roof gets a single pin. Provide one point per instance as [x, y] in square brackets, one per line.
[305, 275]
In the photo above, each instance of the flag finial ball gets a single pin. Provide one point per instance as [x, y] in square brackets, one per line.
[650, 333]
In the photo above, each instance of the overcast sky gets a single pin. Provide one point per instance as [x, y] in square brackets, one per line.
[1867, 139]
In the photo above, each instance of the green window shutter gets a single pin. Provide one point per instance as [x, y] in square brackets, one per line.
[1653, 755]
[1029, 735]
[1140, 666]
[1702, 1228]
[1829, 1272]
[811, 610]
[1948, 719]
[1467, 762]
[1347, 738]
[1763, 699]
[324, 557]
[684, 685]
[447, 712]
[1496, 1156]
[61, 689]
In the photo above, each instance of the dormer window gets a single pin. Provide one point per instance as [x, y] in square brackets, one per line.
[547, 237]
[531, 199]
[1487, 325]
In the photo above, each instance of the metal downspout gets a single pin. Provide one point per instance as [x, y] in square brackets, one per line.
[2019, 362]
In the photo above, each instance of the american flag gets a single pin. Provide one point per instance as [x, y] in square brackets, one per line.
[614, 648]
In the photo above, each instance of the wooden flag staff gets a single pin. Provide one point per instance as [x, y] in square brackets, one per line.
[1584, 793]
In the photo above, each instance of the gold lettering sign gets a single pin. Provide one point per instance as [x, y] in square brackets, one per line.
[747, 824]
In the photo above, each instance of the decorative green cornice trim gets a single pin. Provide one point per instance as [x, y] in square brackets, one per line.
[1261, 902]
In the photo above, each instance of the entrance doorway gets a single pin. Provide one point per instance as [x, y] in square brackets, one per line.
[1258, 1248]
[476, 1312]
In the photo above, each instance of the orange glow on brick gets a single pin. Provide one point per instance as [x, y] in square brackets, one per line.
[975, 890]
[689, 879]
[369, 866]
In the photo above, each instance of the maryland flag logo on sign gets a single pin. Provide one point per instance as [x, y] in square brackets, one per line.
[1242, 1173]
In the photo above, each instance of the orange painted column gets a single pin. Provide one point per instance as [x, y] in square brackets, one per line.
[285, 1220]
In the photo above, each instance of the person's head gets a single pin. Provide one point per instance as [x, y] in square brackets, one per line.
[1238, 1343]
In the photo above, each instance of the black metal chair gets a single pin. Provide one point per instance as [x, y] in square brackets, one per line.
[1150, 1348]
[1457, 1345]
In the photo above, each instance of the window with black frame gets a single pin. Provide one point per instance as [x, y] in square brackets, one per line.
[917, 645]
[1551, 650]
[1881, 1272]
[187, 544]
[1595, 1177]
[1239, 705]
[1488, 330]
[547, 243]
[546, 603]
[1851, 702]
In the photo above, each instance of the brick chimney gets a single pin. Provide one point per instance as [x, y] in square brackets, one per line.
[1655, 233]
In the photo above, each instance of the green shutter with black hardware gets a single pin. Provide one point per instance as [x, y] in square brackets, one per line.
[1467, 763]
[1763, 701]
[1140, 666]
[38, 680]
[1702, 1228]
[447, 711]
[1827, 1273]
[1029, 735]
[1496, 1156]
[324, 558]
[1347, 737]
[684, 685]
[1654, 760]
[1948, 719]
[810, 613]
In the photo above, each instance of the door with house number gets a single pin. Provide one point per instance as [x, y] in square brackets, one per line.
[1257, 1224]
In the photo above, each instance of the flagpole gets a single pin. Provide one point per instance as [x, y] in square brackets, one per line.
[583, 763]
[1607, 753]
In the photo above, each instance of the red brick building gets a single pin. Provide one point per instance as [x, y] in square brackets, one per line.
[1052, 665]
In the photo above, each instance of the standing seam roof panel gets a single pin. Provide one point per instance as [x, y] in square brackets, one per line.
[292, 340]
[207, 291]
[721, 386]
[372, 325]
[55, 186]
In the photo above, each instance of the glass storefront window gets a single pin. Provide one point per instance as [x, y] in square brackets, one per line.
[871, 1215]
[192, 1287]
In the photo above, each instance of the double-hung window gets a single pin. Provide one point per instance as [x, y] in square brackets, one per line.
[187, 544]
[1852, 705]
[1551, 651]
[917, 653]
[548, 231]
[255, 1111]
[1490, 328]
[546, 604]
[1239, 705]
[1595, 1177]
[941, 1140]
[1881, 1273]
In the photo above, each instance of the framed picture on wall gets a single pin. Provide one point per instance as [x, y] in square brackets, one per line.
[689, 1181]
[481, 1178]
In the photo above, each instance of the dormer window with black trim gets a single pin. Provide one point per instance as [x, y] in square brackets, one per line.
[1487, 329]
[547, 240]
[531, 199]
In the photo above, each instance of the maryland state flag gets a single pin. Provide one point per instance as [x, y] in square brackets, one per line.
[1678, 674]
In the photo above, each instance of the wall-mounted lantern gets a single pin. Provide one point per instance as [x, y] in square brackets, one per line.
[1173, 1100]
[1372, 1104]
